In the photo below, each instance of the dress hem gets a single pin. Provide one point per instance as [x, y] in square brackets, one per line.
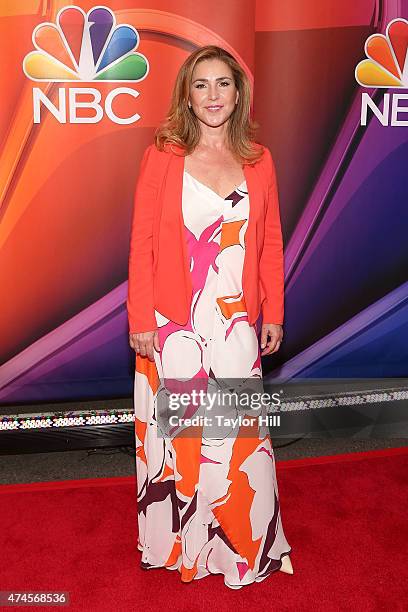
[209, 573]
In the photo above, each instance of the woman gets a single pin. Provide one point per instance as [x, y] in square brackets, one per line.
[206, 263]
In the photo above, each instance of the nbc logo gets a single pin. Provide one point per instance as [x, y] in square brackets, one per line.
[84, 47]
[386, 67]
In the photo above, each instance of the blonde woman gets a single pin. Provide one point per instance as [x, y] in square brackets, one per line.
[205, 267]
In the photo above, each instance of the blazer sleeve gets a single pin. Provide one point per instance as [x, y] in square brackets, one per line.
[271, 265]
[140, 298]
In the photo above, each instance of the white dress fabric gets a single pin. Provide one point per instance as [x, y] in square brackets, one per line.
[207, 504]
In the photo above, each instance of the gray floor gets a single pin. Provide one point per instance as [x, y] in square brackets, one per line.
[98, 463]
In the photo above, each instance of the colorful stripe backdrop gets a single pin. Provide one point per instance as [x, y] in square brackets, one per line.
[66, 189]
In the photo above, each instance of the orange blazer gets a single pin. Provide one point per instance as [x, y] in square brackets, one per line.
[159, 270]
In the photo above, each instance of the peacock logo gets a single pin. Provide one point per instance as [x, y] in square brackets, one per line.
[85, 47]
[387, 63]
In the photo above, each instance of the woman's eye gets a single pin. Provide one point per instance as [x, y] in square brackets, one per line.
[200, 85]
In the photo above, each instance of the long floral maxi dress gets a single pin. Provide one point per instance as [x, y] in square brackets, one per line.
[207, 504]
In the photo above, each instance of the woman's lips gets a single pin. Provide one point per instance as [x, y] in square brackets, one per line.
[213, 109]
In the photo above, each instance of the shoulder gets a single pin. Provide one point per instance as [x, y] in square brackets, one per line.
[265, 164]
[152, 152]
[152, 157]
[266, 158]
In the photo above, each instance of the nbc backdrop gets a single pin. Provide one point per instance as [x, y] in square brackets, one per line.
[83, 87]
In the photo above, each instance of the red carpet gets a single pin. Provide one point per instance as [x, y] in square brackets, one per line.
[345, 517]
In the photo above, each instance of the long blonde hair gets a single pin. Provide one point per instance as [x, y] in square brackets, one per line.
[181, 126]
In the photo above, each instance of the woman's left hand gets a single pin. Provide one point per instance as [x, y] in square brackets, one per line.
[275, 332]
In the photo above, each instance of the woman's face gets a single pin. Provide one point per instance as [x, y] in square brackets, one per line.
[212, 85]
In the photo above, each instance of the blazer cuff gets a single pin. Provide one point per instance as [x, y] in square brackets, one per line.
[272, 314]
[142, 322]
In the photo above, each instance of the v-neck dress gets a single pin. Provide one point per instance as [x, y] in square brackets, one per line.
[207, 499]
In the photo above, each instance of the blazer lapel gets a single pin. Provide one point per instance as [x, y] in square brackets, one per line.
[173, 261]
[255, 193]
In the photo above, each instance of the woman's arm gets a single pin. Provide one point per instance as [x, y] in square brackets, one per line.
[140, 300]
[271, 268]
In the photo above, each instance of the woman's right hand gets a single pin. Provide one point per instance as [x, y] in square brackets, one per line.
[144, 343]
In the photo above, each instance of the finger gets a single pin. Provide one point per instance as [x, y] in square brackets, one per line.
[156, 342]
[150, 349]
[277, 346]
[270, 346]
[264, 337]
[142, 349]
